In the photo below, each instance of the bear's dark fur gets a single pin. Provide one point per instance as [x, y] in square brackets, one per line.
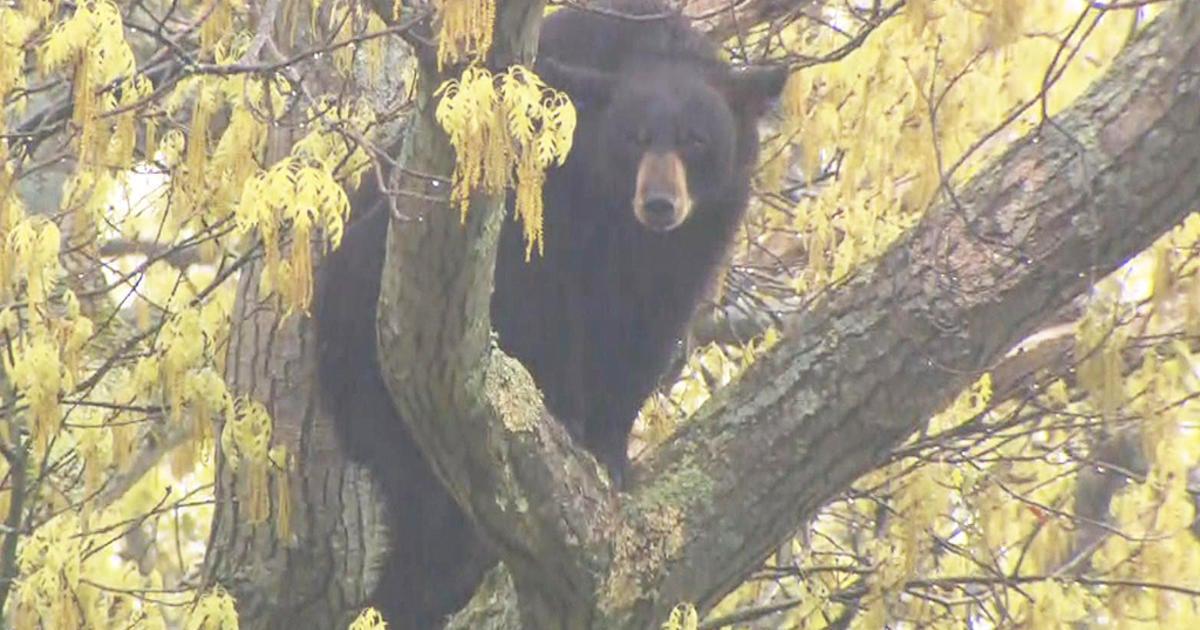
[637, 221]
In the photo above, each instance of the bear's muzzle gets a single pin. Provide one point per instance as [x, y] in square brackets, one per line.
[661, 200]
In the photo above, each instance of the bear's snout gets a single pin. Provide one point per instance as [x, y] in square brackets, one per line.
[661, 200]
[659, 210]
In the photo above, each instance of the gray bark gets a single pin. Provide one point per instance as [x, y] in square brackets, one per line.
[318, 576]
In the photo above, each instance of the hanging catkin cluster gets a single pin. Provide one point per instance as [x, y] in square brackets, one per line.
[505, 128]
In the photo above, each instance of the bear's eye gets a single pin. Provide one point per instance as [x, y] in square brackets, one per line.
[641, 137]
[695, 141]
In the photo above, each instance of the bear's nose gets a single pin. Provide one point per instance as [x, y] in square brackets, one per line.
[660, 210]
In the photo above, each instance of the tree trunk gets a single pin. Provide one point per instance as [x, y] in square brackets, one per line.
[318, 576]
[854, 376]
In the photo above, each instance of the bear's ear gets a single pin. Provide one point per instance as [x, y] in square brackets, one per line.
[751, 89]
[579, 82]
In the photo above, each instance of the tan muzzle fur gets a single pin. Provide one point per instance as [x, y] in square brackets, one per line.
[661, 201]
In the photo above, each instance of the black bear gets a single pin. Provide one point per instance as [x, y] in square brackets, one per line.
[637, 222]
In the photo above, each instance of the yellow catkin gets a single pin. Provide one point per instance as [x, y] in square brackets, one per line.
[508, 127]
[283, 495]
[466, 30]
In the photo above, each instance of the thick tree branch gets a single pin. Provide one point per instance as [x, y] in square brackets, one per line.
[474, 412]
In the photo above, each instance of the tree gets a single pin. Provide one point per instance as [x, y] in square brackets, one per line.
[935, 476]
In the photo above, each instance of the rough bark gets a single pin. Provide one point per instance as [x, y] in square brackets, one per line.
[855, 376]
[449, 382]
[319, 575]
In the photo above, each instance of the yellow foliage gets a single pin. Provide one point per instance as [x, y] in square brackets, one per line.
[281, 460]
[86, 194]
[92, 44]
[85, 392]
[184, 350]
[30, 257]
[903, 119]
[329, 146]
[214, 611]
[93, 442]
[207, 177]
[246, 444]
[1099, 343]
[65, 584]
[292, 197]
[466, 30]
[970, 403]
[368, 619]
[349, 19]
[682, 617]
[217, 24]
[1058, 604]
[49, 561]
[16, 26]
[35, 371]
[501, 125]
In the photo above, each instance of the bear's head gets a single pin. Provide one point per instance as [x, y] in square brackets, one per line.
[668, 135]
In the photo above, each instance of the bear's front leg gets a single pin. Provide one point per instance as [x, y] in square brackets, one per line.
[607, 437]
